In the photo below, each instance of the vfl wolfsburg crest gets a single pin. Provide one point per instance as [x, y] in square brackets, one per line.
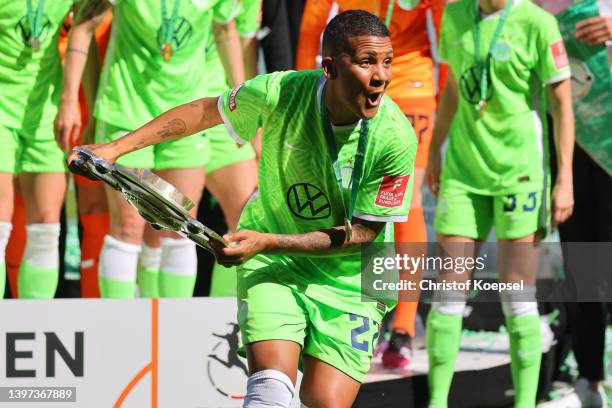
[469, 83]
[23, 30]
[308, 202]
[183, 31]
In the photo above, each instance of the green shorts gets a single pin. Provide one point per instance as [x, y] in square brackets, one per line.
[514, 216]
[224, 150]
[184, 153]
[269, 310]
[30, 151]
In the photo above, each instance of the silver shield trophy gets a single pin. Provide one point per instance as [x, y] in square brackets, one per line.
[157, 201]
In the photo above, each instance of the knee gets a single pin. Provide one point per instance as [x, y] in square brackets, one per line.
[128, 228]
[269, 388]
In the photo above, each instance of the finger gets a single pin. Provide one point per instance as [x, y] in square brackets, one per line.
[590, 31]
[588, 22]
[74, 135]
[233, 251]
[599, 36]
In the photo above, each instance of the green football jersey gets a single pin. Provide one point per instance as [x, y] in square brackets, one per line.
[31, 81]
[248, 19]
[298, 191]
[247, 23]
[136, 83]
[502, 151]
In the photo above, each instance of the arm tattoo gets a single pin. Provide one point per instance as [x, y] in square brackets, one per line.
[89, 9]
[174, 127]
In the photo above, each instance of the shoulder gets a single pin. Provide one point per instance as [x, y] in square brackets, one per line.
[459, 9]
[535, 16]
[392, 128]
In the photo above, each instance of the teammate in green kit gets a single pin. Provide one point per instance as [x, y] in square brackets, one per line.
[299, 273]
[228, 160]
[30, 78]
[156, 60]
[504, 57]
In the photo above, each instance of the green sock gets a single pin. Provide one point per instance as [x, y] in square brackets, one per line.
[36, 283]
[224, 281]
[173, 285]
[2, 280]
[526, 355]
[443, 342]
[116, 289]
[148, 282]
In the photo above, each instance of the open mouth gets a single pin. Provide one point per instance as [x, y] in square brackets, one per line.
[374, 98]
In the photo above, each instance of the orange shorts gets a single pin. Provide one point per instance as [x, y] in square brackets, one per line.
[420, 112]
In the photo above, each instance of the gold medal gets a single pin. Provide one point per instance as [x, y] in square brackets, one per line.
[166, 51]
[482, 105]
[35, 44]
[349, 229]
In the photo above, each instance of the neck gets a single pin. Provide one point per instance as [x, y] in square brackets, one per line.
[491, 6]
[338, 114]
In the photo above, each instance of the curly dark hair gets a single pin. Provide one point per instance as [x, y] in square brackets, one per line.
[351, 23]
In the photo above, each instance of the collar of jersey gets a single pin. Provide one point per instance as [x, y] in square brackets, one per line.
[498, 12]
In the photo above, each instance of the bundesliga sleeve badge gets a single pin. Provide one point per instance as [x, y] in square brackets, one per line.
[391, 191]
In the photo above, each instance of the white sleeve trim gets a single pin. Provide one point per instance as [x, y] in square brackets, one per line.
[227, 123]
[559, 78]
[248, 36]
[381, 218]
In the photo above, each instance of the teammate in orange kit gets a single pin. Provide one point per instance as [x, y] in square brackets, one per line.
[414, 27]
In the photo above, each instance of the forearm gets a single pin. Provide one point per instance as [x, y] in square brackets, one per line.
[321, 243]
[89, 15]
[77, 55]
[91, 76]
[229, 49]
[182, 121]
[563, 119]
[446, 112]
[249, 52]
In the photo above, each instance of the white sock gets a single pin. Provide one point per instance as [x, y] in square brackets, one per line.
[42, 245]
[118, 259]
[519, 302]
[150, 257]
[269, 388]
[178, 257]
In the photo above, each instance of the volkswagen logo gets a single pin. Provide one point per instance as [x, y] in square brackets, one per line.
[470, 85]
[308, 202]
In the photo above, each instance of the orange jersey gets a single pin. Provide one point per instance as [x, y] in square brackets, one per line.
[413, 66]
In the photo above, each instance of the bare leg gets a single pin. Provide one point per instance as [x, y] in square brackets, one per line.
[39, 270]
[324, 386]
[6, 197]
[232, 186]
[518, 262]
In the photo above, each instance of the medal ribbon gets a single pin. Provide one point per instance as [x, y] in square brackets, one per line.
[333, 154]
[389, 13]
[483, 68]
[168, 22]
[35, 17]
